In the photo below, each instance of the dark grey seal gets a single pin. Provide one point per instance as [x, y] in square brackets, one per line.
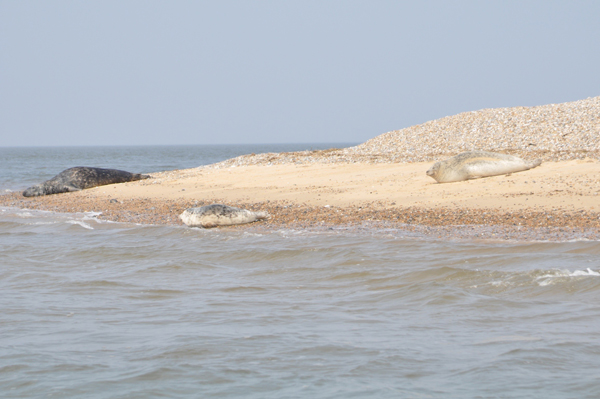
[80, 178]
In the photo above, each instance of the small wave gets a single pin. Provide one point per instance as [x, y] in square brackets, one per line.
[92, 214]
[80, 223]
[588, 272]
[567, 273]
[507, 338]
[242, 289]
[548, 279]
[24, 214]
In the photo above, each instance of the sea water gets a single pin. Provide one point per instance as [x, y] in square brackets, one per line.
[95, 309]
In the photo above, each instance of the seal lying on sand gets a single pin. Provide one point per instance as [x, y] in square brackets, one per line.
[219, 215]
[475, 164]
[79, 178]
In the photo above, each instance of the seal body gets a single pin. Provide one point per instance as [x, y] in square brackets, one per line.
[80, 178]
[476, 164]
[219, 215]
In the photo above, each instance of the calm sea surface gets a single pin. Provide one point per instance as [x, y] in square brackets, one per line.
[94, 309]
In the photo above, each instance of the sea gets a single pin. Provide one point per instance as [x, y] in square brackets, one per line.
[96, 309]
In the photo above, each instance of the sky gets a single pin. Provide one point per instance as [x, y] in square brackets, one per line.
[147, 72]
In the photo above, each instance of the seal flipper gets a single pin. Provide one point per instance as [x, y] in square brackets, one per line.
[59, 189]
[69, 188]
[536, 163]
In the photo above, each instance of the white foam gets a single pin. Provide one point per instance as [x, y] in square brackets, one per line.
[92, 214]
[567, 273]
[548, 279]
[588, 272]
[24, 214]
[80, 223]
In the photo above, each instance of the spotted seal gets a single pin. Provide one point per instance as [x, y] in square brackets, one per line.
[80, 178]
[219, 215]
[476, 164]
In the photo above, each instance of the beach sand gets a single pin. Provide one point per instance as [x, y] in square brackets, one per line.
[563, 195]
[382, 182]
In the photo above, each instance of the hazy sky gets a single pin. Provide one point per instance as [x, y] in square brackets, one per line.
[221, 72]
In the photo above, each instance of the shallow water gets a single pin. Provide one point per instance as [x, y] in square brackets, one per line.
[108, 310]
[97, 309]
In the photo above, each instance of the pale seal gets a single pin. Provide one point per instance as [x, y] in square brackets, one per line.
[219, 215]
[81, 177]
[476, 164]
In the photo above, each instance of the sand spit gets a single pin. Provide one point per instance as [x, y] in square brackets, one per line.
[562, 196]
[382, 183]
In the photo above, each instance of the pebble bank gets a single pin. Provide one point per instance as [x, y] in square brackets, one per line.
[553, 132]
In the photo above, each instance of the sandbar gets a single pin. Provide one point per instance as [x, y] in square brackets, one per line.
[382, 182]
[560, 195]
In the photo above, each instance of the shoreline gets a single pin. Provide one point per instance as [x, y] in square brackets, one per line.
[382, 181]
[410, 223]
[557, 199]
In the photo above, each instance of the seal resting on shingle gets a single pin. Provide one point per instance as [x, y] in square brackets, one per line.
[80, 178]
[219, 215]
[476, 164]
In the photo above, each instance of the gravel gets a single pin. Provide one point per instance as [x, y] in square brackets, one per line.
[553, 132]
[443, 223]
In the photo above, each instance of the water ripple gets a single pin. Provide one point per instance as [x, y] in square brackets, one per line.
[122, 310]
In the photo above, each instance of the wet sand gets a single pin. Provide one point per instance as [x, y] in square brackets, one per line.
[558, 200]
